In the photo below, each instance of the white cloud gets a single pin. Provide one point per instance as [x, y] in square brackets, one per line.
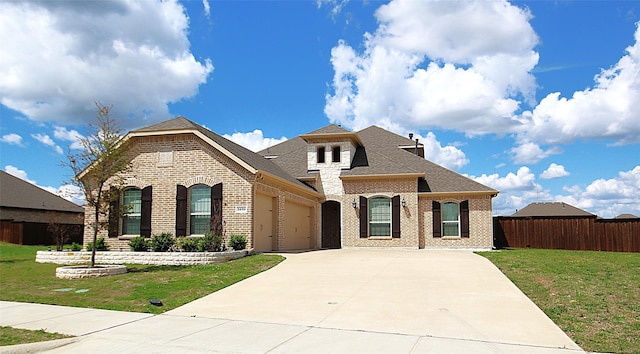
[451, 65]
[14, 171]
[60, 57]
[554, 171]
[448, 156]
[13, 139]
[531, 153]
[608, 197]
[207, 8]
[335, 6]
[61, 133]
[254, 141]
[46, 140]
[609, 110]
[604, 197]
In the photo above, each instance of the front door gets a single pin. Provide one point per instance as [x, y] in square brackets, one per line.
[331, 225]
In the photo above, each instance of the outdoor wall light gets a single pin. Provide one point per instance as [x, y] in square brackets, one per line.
[354, 204]
[403, 202]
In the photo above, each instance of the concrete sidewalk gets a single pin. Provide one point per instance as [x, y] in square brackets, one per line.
[342, 301]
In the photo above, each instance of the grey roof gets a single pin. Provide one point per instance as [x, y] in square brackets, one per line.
[380, 155]
[551, 209]
[251, 158]
[17, 193]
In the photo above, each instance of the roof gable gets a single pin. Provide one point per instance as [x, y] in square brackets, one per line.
[250, 160]
[17, 193]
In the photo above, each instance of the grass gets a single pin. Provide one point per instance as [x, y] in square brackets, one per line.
[24, 280]
[12, 336]
[593, 296]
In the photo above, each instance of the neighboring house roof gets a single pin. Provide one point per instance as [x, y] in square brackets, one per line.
[382, 153]
[17, 193]
[551, 209]
[627, 216]
[239, 153]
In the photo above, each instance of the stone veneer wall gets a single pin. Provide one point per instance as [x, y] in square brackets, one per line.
[405, 187]
[153, 258]
[166, 161]
[480, 224]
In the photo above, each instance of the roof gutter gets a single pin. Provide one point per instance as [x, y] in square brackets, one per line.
[493, 193]
[260, 175]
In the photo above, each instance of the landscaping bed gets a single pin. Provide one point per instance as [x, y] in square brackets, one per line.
[147, 258]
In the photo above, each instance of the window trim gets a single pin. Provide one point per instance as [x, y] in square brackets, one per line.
[336, 153]
[458, 222]
[389, 222]
[320, 154]
[126, 214]
[191, 213]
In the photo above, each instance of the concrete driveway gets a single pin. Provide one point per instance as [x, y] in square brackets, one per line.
[337, 301]
[442, 294]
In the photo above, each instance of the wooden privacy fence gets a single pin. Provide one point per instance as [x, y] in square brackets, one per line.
[570, 233]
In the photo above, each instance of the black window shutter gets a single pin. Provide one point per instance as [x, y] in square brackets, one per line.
[395, 216]
[145, 212]
[114, 211]
[464, 218]
[216, 209]
[181, 210]
[437, 219]
[364, 218]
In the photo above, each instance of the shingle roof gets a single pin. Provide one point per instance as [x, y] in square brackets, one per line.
[551, 209]
[17, 193]
[251, 158]
[380, 155]
[627, 216]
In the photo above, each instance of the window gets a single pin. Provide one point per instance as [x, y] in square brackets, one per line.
[200, 210]
[320, 154]
[379, 216]
[132, 211]
[335, 154]
[450, 219]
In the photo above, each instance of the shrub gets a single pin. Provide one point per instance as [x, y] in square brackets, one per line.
[139, 244]
[211, 243]
[237, 242]
[188, 244]
[76, 247]
[162, 242]
[100, 245]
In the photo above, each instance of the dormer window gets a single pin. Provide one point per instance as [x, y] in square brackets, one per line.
[320, 152]
[335, 156]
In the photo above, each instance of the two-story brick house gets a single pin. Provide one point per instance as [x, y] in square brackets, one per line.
[329, 188]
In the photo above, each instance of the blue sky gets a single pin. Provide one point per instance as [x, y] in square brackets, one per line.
[534, 98]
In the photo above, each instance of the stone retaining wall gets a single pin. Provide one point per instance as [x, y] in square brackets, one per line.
[154, 258]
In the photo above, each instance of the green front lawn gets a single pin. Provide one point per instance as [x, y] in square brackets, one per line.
[24, 280]
[593, 296]
[12, 336]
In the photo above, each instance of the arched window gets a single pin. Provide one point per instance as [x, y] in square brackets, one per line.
[200, 210]
[450, 219]
[379, 216]
[132, 211]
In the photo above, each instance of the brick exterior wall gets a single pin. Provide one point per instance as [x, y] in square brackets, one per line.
[405, 187]
[166, 161]
[480, 223]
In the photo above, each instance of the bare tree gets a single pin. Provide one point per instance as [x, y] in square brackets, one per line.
[103, 158]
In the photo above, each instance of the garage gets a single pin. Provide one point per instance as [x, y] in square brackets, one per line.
[297, 227]
[264, 223]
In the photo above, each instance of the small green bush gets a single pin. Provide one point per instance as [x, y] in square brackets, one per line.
[76, 247]
[162, 242]
[139, 244]
[211, 243]
[238, 242]
[188, 244]
[100, 245]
